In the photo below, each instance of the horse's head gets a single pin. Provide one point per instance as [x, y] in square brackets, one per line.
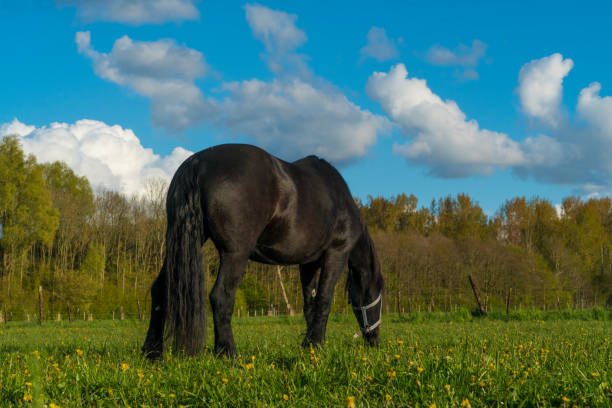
[365, 287]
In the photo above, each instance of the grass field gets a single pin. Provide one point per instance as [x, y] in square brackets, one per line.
[443, 360]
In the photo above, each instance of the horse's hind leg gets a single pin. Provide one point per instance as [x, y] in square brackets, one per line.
[308, 277]
[153, 346]
[330, 273]
[231, 270]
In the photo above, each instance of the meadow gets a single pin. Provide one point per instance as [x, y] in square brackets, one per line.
[531, 359]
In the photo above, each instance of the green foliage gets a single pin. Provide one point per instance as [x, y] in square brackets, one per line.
[26, 212]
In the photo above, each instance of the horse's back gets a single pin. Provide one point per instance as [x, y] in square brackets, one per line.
[281, 212]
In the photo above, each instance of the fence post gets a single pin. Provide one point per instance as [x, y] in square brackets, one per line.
[40, 305]
[475, 289]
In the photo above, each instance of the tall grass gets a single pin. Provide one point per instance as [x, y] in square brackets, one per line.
[446, 360]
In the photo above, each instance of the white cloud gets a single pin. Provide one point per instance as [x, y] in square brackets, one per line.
[292, 115]
[294, 118]
[160, 70]
[540, 88]
[379, 46]
[15, 128]
[442, 137]
[134, 11]
[277, 30]
[463, 56]
[111, 157]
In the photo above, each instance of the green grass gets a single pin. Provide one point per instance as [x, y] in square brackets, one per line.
[444, 359]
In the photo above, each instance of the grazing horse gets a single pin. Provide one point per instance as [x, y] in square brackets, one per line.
[255, 206]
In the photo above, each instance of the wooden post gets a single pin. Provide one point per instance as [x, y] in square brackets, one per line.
[40, 305]
[280, 279]
[121, 315]
[140, 317]
[475, 289]
[508, 301]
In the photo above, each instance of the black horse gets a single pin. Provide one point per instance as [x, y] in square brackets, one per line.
[256, 206]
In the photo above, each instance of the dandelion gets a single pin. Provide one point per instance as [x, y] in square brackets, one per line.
[172, 396]
[400, 342]
[354, 374]
[28, 384]
[140, 376]
[397, 356]
[432, 405]
[110, 391]
[565, 399]
[249, 366]
[447, 387]
[595, 374]
[124, 366]
[350, 402]
[27, 398]
[52, 405]
[285, 397]
[224, 380]
[482, 383]
[420, 369]
[388, 397]
[79, 352]
[364, 359]
[465, 403]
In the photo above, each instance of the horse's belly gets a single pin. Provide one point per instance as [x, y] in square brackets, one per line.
[285, 254]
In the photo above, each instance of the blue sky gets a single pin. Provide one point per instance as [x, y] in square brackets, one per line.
[493, 99]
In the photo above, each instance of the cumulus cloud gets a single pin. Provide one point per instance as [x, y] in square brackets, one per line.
[281, 37]
[441, 136]
[134, 11]
[540, 88]
[463, 56]
[294, 119]
[111, 157]
[379, 46]
[293, 115]
[161, 70]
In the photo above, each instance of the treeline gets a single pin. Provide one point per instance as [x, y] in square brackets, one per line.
[98, 253]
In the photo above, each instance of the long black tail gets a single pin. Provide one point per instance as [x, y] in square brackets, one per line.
[185, 280]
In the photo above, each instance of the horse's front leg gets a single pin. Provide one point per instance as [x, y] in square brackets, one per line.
[153, 347]
[330, 272]
[308, 277]
[231, 270]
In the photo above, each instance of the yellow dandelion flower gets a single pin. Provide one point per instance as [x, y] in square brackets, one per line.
[79, 352]
[595, 374]
[140, 376]
[249, 366]
[110, 391]
[285, 397]
[224, 380]
[252, 358]
[124, 366]
[482, 383]
[28, 384]
[447, 387]
[350, 402]
[172, 396]
[354, 374]
[388, 397]
[433, 405]
[465, 403]
[565, 399]
[27, 398]
[420, 369]
[400, 342]
[397, 356]
[364, 359]
[52, 405]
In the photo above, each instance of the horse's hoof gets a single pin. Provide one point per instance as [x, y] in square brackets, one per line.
[152, 354]
[226, 351]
